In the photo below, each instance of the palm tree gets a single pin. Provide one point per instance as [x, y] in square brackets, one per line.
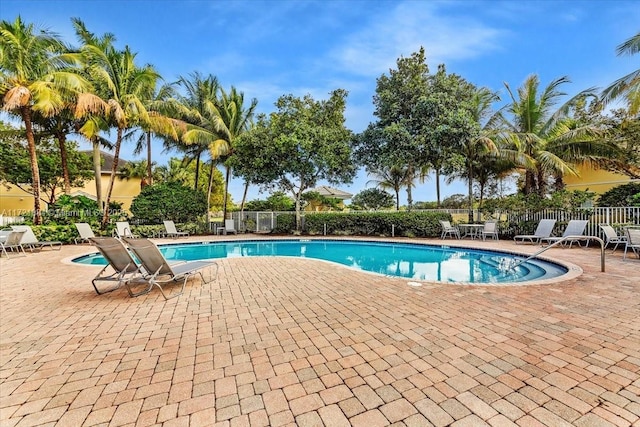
[629, 85]
[136, 170]
[219, 118]
[236, 120]
[95, 122]
[125, 86]
[548, 143]
[391, 178]
[197, 108]
[34, 79]
[474, 149]
[159, 104]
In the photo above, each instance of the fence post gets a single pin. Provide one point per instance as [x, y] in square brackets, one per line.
[325, 229]
[393, 230]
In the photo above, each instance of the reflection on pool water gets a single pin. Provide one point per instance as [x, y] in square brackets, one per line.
[411, 261]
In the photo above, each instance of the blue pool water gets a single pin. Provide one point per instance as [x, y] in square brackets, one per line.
[411, 261]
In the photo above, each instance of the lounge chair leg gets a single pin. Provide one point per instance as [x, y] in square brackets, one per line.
[138, 280]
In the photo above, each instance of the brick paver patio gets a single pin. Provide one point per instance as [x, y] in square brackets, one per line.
[277, 342]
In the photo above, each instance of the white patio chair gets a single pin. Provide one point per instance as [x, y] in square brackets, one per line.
[575, 227]
[171, 231]
[490, 229]
[633, 241]
[85, 232]
[12, 242]
[543, 230]
[611, 236]
[229, 227]
[449, 230]
[29, 239]
[123, 229]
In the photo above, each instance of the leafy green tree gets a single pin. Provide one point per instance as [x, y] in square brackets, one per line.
[183, 171]
[426, 205]
[303, 142]
[621, 131]
[277, 201]
[449, 126]
[372, 199]
[15, 166]
[168, 201]
[453, 114]
[455, 201]
[622, 195]
[34, 78]
[322, 202]
[395, 139]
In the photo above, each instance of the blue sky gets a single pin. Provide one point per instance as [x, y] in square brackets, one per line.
[271, 48]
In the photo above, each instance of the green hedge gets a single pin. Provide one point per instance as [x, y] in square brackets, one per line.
[67, 233]
[407, 224]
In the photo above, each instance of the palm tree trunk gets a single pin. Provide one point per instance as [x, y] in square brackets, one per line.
[195, 184]
[298, 217]
[62, 144]
[409, 197]
[470, 193]
[112, 178]
[226, 188]
[149, 171]
[97, 171]
[542, 185]
[35, 170]
[244, 198]
[529, 182]
[397, 199]
[438, 188]
[210, 187]
[244, 195]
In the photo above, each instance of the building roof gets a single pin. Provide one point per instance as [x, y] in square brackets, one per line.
[107, 160]
[334, 193]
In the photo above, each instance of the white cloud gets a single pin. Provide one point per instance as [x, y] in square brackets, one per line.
[402, 30]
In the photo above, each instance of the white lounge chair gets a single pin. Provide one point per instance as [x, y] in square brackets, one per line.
[123, 229]
[171, 231]
[543, 230]
[160, 271]
[575, 228]
[449, 230]
[29, 240]
[85, 232]
[633, 241]
[12, 242]
[229, 226]
[611, 236]
[119, 259]
[490, 229]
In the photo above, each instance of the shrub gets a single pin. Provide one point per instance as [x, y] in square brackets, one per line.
[621, 196]
[409, 224]
[168, 201]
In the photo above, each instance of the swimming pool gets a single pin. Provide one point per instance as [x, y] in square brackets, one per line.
[407, 260]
